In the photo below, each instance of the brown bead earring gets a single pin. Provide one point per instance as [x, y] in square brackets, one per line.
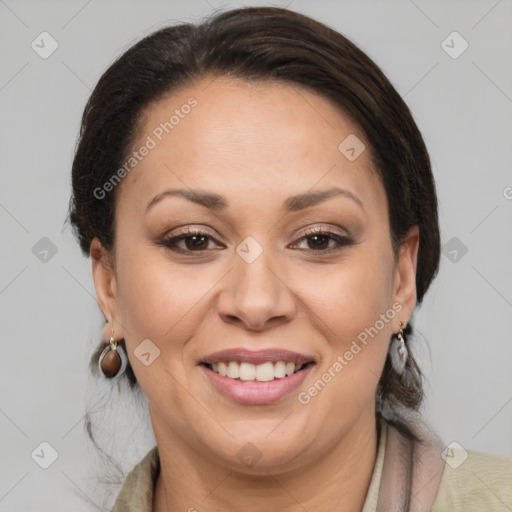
[113, 360]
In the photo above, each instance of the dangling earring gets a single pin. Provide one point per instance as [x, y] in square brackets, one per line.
[113, 361]
[398, 351]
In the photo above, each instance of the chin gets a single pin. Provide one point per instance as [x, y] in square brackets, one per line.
[262, 455]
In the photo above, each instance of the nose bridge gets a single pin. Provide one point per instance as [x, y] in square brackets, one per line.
[255, 293]
[253, 273]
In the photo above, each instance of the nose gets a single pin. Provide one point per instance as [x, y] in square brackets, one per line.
[255, 296]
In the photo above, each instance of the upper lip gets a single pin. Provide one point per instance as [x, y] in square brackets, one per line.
[257, 356]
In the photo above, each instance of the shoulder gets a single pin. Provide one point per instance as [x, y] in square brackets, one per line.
[136, 494]
[474, 480]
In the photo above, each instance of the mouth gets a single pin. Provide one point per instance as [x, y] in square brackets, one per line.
[249, 372]
[260, 366]
[261, 377]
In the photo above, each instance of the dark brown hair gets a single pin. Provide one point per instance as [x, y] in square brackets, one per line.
[264, 43]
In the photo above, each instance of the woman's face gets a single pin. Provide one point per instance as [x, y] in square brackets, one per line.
[253, 278]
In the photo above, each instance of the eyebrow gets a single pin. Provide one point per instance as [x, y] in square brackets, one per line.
[219, 203]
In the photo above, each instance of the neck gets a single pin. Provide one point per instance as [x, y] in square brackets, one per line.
[336, 482]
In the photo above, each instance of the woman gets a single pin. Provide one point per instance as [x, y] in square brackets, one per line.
[261, 216]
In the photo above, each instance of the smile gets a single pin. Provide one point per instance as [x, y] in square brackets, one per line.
[265, 372]
[256, 377]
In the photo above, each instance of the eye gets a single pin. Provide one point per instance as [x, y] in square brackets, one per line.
[319, 240]
[191, 240]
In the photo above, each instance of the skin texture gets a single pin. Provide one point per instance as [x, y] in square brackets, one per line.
[256, 144]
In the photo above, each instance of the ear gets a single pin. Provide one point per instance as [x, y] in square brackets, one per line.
[106, 289]
[405, 274]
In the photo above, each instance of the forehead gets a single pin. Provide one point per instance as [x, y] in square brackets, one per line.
[270, 138]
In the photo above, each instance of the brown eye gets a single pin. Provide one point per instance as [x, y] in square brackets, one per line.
[191, 241]
[318, 241]
[194, 242]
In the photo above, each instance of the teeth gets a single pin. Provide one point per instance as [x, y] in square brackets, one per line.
[262, 372]
[233, 370]
[280, 369]
[247, 370]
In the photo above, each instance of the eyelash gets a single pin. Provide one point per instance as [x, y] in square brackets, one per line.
[342, 241]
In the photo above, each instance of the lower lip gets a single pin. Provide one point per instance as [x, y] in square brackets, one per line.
[257, 393]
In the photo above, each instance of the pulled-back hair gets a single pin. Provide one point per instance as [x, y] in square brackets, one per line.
[264, 43]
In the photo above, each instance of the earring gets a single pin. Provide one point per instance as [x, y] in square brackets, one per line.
[113, 360]
[398, 351]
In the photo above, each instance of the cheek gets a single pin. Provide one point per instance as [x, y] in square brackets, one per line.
[161, 303]
[356, 309]
[147, 303]
[352, 295]
[357, 319]
[160, 300]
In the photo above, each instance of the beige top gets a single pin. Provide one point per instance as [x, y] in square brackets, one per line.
[471, 482]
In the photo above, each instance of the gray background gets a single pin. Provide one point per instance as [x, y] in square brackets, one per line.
[49, 317]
